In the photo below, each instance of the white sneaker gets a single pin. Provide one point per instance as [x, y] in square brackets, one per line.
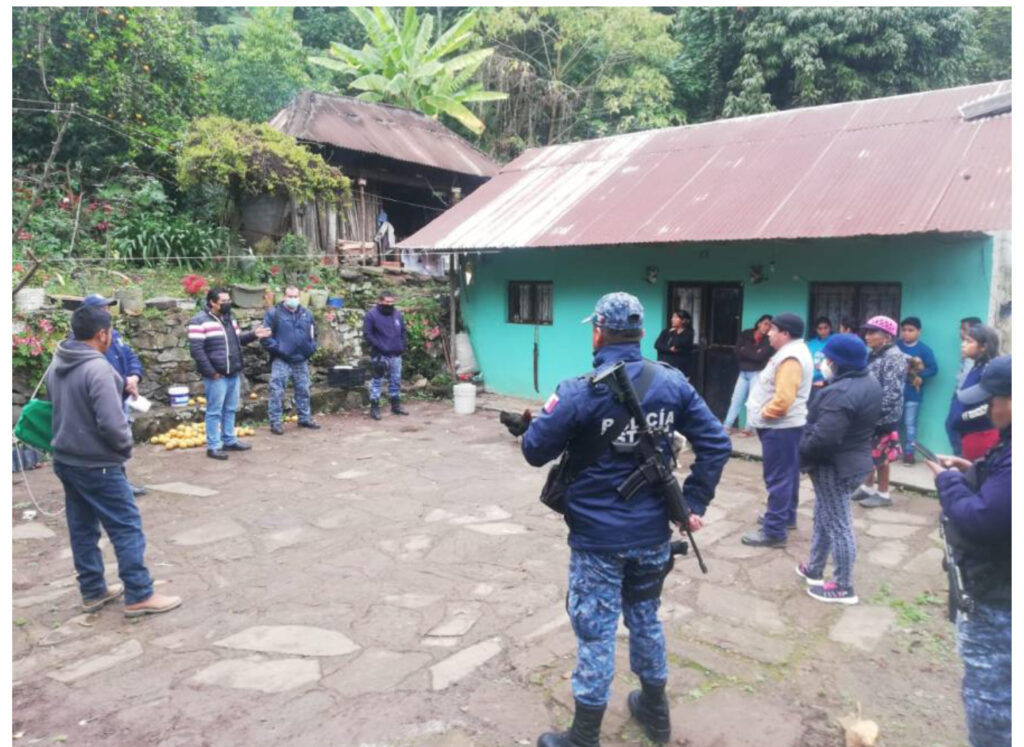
[863, 492]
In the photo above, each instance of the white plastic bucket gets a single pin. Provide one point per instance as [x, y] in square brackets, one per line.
[178, 395]
[465, 398]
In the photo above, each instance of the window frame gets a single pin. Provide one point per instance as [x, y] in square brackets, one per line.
[532, 286]
[858, 311]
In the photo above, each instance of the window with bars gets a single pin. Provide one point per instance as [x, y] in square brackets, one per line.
[855, 301]
[530, 302]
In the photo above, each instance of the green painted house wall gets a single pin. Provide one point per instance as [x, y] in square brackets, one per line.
[944, 278]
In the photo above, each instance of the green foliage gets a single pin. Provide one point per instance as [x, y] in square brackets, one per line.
[318, 27]
[424, 355]
[135, 74]
[577, 73]
[400, 65]
[994, 53]
[257, 64]
[159, 237]
[254, 159]
[738, 61]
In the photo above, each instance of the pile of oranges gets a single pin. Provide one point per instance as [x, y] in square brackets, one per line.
[190, 436]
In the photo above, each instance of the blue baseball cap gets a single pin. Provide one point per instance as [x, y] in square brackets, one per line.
[95, 299]
[619, 311]
[996, 380]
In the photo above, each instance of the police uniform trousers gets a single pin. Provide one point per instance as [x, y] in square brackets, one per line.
[603, 585]
[983, 638]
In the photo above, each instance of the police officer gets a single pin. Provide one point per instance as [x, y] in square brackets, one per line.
[620, 551]
[976, 507]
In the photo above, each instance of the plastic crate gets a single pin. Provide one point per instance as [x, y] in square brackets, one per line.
[345, 377]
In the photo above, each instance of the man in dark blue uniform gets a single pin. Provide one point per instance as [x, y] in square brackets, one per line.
[620, 549]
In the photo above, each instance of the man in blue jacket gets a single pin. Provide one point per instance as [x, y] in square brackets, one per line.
[384, 331]
[917, 374]
[292, 343]
[620, 550]
[977, 516]
[124, 360]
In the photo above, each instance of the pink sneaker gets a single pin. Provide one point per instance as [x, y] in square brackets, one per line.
[810, 578]
[830, 592]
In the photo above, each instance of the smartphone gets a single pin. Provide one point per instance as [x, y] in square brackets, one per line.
[927, 453]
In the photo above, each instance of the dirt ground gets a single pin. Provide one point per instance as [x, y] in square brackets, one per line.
[398, 583]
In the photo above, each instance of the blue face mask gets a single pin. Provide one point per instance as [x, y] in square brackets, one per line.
[291, 303]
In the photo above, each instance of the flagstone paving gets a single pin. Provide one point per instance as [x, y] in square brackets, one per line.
[398, 583]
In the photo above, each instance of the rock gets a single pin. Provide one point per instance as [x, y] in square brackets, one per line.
[862, 626]
[300, 640]
[183, 488]
[32, 530]
[460, 665]
[372, 271]
[276, 676]
[348, 274]
[376, 671]
[163, 303]
[127, 651]
[213, 532]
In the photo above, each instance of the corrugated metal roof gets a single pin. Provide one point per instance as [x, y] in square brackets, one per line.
[899, 165]
[384, 130]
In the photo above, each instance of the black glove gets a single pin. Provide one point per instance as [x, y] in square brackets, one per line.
[516, 424]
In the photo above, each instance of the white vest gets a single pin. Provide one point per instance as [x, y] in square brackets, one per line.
[763, 389]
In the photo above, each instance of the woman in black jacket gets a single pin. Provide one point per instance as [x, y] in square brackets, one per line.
[752, 353]
[675, 344]
[836, 450]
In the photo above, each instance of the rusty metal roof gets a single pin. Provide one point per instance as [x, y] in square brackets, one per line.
[384, 130]
[898, 165]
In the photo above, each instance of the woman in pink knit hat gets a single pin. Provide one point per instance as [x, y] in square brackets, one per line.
[888, 365]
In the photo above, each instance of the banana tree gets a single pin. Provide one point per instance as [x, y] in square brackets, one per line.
[400, 65]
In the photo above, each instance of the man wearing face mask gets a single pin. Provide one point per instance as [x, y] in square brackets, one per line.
[292, 343]
[216, 346]
[384, 331]
[91, 442]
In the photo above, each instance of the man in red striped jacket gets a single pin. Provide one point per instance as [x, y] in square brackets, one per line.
[216, 346]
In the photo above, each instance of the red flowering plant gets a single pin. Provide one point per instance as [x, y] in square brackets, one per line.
[194, 284]
[33, 346]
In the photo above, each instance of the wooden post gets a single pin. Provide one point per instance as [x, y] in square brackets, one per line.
[453, 286]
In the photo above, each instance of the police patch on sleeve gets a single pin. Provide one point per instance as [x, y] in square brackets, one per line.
[551, 404]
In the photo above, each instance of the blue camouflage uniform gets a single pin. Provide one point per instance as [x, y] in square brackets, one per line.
[620, 550]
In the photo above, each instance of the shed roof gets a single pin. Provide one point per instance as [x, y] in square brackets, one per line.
[380, 129]
[889, 166]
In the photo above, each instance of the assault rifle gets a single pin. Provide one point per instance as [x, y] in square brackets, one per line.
[652, 469]
[959, 599]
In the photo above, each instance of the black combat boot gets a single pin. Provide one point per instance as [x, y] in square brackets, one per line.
[396, 407]
[649, 707]
[584, 732]
[375, 409]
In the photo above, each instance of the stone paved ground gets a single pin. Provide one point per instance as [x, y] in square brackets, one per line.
[398, 583]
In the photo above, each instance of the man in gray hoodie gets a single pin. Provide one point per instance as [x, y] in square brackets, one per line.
[91, 442]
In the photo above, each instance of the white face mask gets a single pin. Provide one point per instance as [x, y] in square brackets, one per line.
[826, 370]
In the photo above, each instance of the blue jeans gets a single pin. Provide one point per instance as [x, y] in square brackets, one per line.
[984, 642]
[95, 496]
[221, 404]
[280, 372]
[393, 366]
[601, 586]
[739, 396]
[780, 449]
[910, 412]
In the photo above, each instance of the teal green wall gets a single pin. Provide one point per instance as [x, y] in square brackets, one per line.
[943, 279]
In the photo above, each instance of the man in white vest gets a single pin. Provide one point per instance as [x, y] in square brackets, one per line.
[777, 408]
